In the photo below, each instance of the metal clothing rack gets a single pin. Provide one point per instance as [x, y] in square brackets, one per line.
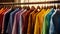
[12, 3]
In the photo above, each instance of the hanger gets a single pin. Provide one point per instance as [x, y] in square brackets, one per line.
[58, 6]
[15, 6]
[35, 9]
[38, 8]
[44, 7]
[41, 7]
[32, 8]
[26, 7]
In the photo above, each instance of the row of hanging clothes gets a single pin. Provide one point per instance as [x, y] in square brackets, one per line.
[26, 20]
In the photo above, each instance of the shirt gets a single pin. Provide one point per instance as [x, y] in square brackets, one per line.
[11, 20]
[16, 28]
[25, 21]
[39, 22]
[1, 18]
[30, 22]
[20, 21]
[34, 19]
[43, 29]
[46, 24]
[51, 29]
[56, 22]
[6, 20]
[3, 29]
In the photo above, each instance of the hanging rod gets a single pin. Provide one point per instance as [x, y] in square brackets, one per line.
[12, 3]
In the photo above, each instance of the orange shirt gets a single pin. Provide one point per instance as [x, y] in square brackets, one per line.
[2, 9]
[1, 17]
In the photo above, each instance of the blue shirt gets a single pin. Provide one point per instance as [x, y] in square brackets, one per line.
[51, 29]
[56, 22]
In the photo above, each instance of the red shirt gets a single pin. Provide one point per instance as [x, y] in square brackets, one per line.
[1, 18]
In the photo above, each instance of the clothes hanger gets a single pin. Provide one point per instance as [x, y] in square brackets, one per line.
[32, 8]
[44, 7]
[24, 7]
[38, 8]
[18, 7]
[28, 8]
[57, 6]
[13, 7]
[41, 7]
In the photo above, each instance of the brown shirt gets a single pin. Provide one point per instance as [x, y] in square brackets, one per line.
[25, 17]
[31, 22]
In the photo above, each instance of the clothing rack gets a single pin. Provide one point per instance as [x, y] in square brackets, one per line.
[12, 3]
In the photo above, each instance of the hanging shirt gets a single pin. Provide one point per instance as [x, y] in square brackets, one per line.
[16, 25]
[51, 29]
[7, 15]
[4, 28]
[39, 22]
[1, 17]
[34, 19]
[30, 22]
[20, 21]
[2, 9]
[11, 20]
[25, 21]
[48, 10]
[42, 18]
[46, 23]
[56, 22]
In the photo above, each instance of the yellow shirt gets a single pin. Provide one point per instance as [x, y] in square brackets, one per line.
[39, 22]
[48, 10]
